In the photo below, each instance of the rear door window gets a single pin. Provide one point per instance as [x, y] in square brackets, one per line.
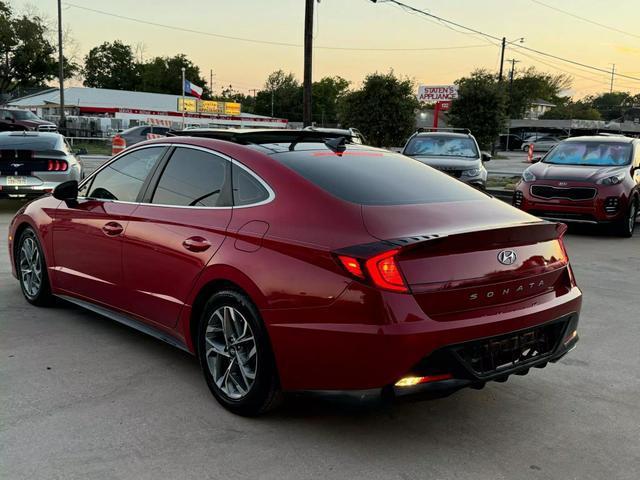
[247, 189]
[194, 178]
[377, 177]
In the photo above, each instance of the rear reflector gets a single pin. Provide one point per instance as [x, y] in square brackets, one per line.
[352, 265]
[385, 272]
[411, 381]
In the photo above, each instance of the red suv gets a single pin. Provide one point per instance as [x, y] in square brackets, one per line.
[298, 262]
[592, 180]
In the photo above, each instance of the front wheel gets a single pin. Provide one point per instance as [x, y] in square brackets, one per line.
[32, 269]
[235, 355]
[625, 226]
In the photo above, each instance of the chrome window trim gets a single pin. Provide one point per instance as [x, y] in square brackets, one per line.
[229, 159]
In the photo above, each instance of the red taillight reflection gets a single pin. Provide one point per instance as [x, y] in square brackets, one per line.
[352, 265]
[385, 272]
[57, 166]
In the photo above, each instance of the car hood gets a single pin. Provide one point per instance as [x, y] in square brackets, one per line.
[449, 163]
[575, 173]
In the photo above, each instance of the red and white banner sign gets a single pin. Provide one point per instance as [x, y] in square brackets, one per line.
[159, 122]
[437, 93]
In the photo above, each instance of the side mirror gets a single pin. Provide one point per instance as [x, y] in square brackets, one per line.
[536, 159]
[66, 190]
[485, 156]
[81, 151]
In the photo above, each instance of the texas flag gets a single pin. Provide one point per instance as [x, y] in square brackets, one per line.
[192, 89]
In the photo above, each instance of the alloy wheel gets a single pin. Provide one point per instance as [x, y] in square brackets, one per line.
[231, 352]
[30, 267]
[632, 216]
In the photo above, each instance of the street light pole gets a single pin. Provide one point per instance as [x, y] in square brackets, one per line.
[184, 107]
[61, 69]
[308, 63]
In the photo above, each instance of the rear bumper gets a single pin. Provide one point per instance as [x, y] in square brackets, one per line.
[338, 348]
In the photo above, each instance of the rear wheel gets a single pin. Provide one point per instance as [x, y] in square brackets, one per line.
[625, 226]
[235, 355]
[32, 269]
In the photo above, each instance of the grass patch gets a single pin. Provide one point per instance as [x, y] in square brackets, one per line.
[508, 183]
[99, 147]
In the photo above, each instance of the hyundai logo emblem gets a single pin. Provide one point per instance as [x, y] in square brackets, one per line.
[16, 165]
[507, 257]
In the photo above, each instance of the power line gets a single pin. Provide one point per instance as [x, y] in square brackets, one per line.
[264, 42]
[608, 27]
[493, 37]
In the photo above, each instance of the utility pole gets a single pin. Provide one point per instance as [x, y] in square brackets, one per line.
[613, 72]
[504, 45]
[308, 62]
[63, 121]
[273, 93]
[511, 75]
[211, 82]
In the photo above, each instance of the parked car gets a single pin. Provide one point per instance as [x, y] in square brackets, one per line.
[509, 142]
[541, 144]
[10, 117]
[456, 154]
[33, 163]
[139, 134]
[307, 264]
[585, 180]
[352, 134]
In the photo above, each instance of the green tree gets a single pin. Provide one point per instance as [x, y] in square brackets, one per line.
[326, 95]
[285, 93]
[164, 75]
[29, 59]
[111, 65]
[383, 109]
[611, 105]
[529, 85]
[480, 107]
[572, 110]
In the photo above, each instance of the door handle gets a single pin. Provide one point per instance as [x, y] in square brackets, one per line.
[196, 244]
[112, 229]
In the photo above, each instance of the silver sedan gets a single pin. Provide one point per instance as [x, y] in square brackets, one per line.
[33, 163]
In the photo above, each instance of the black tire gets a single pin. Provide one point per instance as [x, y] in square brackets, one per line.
[264, 394]
[42, 297]
[624, 227]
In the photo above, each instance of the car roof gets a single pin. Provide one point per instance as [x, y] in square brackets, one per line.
[30, 133]
[443, 134]
[602, 139]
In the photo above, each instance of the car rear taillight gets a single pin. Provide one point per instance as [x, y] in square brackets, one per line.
[562, 229]
[352, 265]
[381, 270]
[57, 166]
[385, 272]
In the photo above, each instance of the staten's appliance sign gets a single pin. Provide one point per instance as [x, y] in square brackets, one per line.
[437, 93]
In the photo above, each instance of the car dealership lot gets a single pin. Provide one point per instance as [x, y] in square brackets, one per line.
[83, 397]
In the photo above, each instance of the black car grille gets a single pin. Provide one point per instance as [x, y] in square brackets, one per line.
[504, 353]
[573, 193]
[453, 173]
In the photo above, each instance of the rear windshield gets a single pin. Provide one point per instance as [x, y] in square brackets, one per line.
[377, 178]
[28, 141]
[435, 146]
[590, 154]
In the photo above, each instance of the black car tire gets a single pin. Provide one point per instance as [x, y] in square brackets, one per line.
[625, 226]
[264, 394]
[42, 297]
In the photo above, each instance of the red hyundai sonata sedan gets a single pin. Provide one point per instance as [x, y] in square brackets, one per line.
[304, 264]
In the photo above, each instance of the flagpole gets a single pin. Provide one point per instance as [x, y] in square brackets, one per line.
[184, 107]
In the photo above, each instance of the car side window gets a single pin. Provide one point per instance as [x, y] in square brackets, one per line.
[122, 180]
[247, 189]
[194, 178]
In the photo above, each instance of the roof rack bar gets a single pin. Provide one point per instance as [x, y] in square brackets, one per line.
[443, 129]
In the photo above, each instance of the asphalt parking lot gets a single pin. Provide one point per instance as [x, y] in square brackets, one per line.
[82, 397]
